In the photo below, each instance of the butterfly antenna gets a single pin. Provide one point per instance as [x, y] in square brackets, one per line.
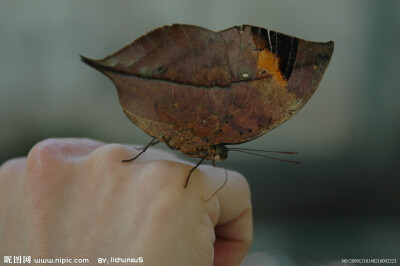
[266, 156]
[281, 152]
[226, 180]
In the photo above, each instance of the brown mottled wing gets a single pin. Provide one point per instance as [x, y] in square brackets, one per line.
[276, 75]
[200, 88]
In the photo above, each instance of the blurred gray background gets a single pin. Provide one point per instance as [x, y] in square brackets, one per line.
[343, 200]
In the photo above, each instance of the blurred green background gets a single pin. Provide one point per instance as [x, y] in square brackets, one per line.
[343, 201]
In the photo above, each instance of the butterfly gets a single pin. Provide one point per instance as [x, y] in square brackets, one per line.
[198, 90]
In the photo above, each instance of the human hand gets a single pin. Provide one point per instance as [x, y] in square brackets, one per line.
[74, 198]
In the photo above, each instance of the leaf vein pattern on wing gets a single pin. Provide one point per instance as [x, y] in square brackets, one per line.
[189, 42]
[147, 36]
[301, 65]
[177, 107]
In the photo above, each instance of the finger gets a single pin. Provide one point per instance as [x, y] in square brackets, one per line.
[233, 229]
[71, 147]
[12, 167]
[11, 172]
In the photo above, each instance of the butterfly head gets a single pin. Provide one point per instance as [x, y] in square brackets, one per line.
[221, 152]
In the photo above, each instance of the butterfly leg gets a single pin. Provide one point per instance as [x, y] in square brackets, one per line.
[167, 143]
[144, 147]
[151, 143]
[194, 168]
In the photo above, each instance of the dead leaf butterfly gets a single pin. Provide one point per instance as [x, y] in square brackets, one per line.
[198, 90]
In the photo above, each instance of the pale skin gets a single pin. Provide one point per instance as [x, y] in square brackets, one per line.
[74, 198]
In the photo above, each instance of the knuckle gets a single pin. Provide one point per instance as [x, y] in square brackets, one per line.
[44, 150]
[11, 165]
[46, 172]
[111, 153]
[45, 160]
[10, 169]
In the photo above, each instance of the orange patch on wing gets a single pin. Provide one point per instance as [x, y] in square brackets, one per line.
[269, 62]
